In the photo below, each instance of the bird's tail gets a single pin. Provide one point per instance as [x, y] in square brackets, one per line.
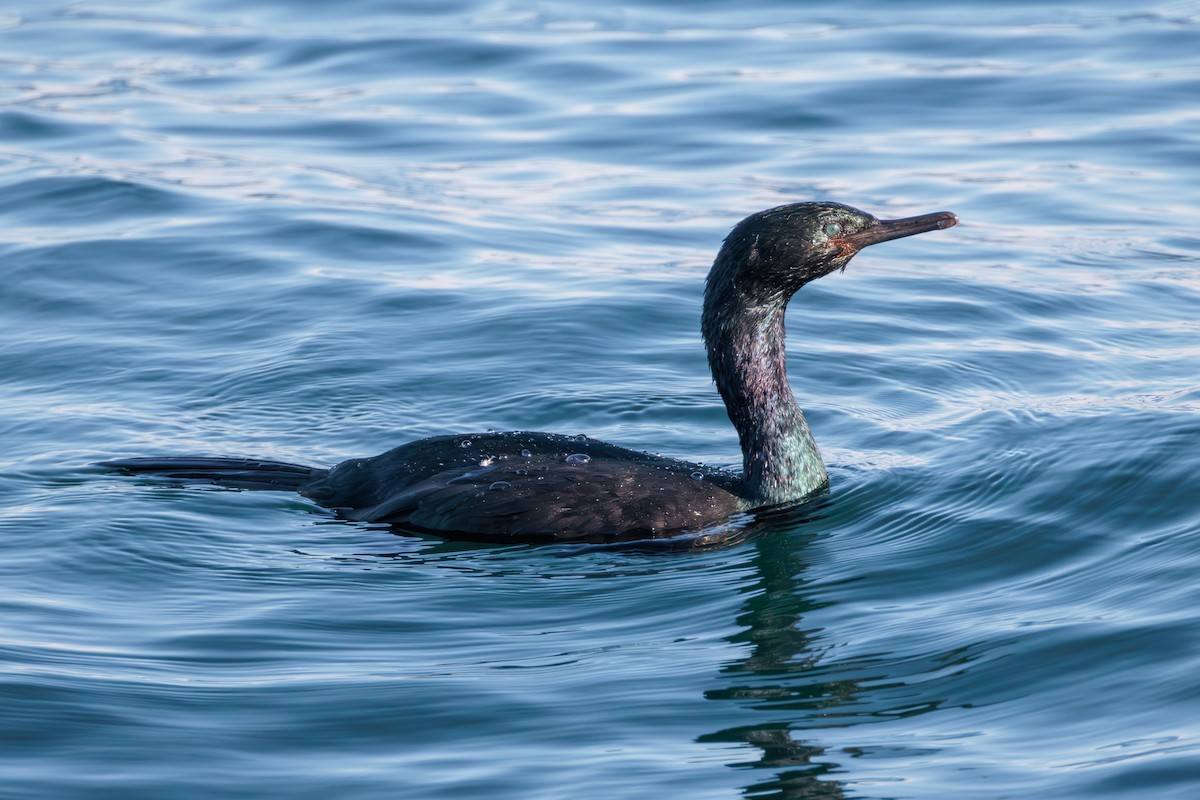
[241, 473]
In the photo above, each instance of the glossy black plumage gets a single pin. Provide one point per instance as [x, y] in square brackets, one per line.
[512, 485]
[525, 484]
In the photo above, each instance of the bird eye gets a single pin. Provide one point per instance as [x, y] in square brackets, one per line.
[832, 228]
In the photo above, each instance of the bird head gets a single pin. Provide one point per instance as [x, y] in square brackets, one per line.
[781, 249]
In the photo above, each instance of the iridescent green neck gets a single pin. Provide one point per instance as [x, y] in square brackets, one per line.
[744, 335]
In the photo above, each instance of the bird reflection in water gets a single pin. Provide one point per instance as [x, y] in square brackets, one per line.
[772, 673]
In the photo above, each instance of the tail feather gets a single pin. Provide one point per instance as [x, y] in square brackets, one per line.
[241, 473]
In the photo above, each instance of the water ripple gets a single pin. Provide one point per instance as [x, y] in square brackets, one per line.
[307, 231]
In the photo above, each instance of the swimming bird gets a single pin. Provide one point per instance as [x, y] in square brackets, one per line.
[541, 486]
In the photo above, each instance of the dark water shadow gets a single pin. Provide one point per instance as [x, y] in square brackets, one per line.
[781, 650]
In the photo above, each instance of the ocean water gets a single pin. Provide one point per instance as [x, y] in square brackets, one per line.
[310, 231]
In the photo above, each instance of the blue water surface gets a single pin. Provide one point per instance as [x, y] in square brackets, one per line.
[309, 231]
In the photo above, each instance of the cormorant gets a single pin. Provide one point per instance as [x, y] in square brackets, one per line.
[541, 486]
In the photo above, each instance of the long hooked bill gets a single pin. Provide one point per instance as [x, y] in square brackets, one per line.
[888, 229]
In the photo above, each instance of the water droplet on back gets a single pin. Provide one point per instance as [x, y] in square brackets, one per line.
[698, 475]
[526, 454]
[465, 443]
[578, 458]
[500, 486]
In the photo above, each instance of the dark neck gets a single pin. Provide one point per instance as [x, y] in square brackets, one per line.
[744, 335]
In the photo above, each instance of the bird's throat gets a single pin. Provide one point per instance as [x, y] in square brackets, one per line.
[780, 459]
